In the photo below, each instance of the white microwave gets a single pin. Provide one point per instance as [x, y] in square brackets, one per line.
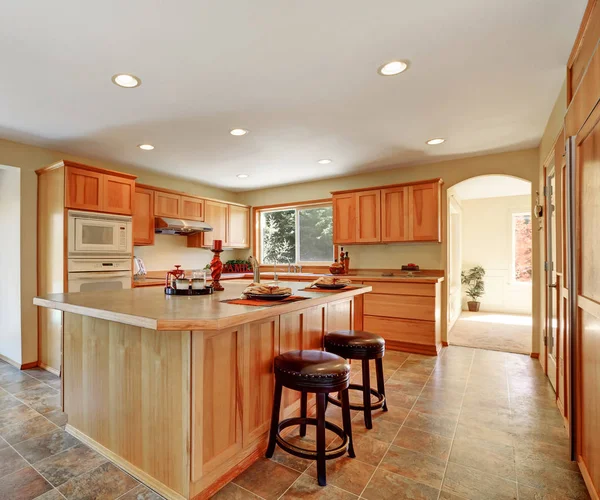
[92, 233]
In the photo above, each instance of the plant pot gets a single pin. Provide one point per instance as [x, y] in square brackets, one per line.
[473, 306]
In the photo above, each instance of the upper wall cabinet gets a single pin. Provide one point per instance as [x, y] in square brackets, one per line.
[143, 217]
[167, 204]
[97, 190]
[239, 233]
[192, 208]
[230, 224]
[388, 214]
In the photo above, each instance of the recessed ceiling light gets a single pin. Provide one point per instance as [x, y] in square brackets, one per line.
[126, 81]
[238, 131]
[242, 176]
[435, 142]
[325, 161]
[392, 68]
[146, 147]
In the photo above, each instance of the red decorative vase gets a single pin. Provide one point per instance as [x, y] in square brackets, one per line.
[216, 269]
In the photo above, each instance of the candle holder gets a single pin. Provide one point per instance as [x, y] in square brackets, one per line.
[216, 266]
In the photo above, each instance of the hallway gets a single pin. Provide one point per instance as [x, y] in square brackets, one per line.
[494, 331]
[471, 424]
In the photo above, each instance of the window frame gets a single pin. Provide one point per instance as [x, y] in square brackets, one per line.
[513, 267]
[302, 205]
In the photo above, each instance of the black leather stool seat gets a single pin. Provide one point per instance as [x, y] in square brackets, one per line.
[355, 344]
[361, 346]
[312, 370]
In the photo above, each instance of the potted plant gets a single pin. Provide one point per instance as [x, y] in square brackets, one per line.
[473, 278]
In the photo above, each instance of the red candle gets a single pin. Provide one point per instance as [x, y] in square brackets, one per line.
[217, 245]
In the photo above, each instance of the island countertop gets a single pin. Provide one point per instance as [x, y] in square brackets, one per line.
[150, 308]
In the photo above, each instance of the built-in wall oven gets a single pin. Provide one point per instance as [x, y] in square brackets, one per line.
[100, 252]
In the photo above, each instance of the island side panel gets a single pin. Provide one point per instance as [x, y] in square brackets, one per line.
[233, 383]
[127, 394]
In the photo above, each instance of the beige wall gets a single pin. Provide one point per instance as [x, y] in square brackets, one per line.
[522, 164]
[10, 264]
[30, 158]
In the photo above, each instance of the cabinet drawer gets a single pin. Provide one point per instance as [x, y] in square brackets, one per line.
[401, 330]
[419, 289]
[400, 306]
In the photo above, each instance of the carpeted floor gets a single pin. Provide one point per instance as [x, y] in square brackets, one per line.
[495, 331]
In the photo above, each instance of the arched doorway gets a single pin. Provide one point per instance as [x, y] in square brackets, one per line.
[490, 228]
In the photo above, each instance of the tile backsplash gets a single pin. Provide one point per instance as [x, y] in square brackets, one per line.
[169, 250]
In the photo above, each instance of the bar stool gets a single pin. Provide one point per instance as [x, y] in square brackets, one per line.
[363, 346]
[316, 372]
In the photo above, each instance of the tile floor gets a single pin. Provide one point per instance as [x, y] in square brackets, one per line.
[38, 459]
[495, 331]
[471, 424]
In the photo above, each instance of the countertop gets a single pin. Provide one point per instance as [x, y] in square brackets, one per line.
[149, 307]
[355, 276]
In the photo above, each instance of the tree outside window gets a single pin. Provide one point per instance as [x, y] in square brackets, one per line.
[522, 239]
[297, 235]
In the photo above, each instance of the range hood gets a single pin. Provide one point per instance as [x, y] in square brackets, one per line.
[167, 225]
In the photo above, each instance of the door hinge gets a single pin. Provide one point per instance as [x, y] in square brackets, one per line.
[545, 340]
[547, 190]
[547, 266]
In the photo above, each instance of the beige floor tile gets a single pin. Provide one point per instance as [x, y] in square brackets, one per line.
[552, 480]
[307, 488]
[414, 465]
[476, 485]
[486, 456]
[68, 464]
[234, 492]
[24, 484]
[10, 461]
[350, 474]
[106, 481]
[386, 485]
[267, 479]
[46, 445]
[28, 429]
[436, 424]
[430, 444]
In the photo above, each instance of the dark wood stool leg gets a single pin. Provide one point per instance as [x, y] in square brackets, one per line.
[274, 419]
[303, 405]
[347, 421]
[380, 381]
[367, 393]
[321, 468]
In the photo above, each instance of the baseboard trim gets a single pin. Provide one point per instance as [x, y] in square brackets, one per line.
[444, 343]
[20, 366]
[587, 478]
[49, 369]
[139, 474]
[535, 355]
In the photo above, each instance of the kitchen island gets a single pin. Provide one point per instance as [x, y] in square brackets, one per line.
[178, 390]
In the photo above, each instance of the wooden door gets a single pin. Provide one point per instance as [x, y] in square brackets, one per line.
[216, 215]
[260, 347]
[239, 227]
[167, 204]
[587, 319]
[344, 218]
[143, 217]
[394, 214]
[118, 194]
[368, 216]
[424, 212]
[84, 189]
[551, 276]
[192, 208]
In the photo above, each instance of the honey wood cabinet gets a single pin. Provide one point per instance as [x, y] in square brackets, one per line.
[388, 214]
[238, 226]
[95, 190]
[192, 208]
[167, 204]
[230, 224]
[217, 217]
[143, 217]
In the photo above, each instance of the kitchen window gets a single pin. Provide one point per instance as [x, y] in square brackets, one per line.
[296, 235]
[521, 247]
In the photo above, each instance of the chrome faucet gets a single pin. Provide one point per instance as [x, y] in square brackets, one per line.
[255, 269]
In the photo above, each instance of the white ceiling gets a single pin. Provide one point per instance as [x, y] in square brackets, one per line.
[491, 186]
[301, 76]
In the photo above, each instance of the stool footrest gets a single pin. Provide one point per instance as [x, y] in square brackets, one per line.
[309, 454]
[359, 406]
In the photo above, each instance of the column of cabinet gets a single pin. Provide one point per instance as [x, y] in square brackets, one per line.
[388, 214]
[143, 217]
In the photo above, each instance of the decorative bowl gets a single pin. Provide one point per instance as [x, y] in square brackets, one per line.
[336, 270]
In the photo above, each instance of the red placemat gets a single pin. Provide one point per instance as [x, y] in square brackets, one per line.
[264, 303]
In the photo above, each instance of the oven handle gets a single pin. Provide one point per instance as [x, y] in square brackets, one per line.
[99, 275]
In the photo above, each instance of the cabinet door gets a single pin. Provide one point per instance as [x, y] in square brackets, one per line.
[167, 204]
[118, 194]
[192, 208]
[216, 215]
[143, 217]
[238, 227]
[84, 189]
[368, 216]
[394, 214]
[344, 218]
[424, 212]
